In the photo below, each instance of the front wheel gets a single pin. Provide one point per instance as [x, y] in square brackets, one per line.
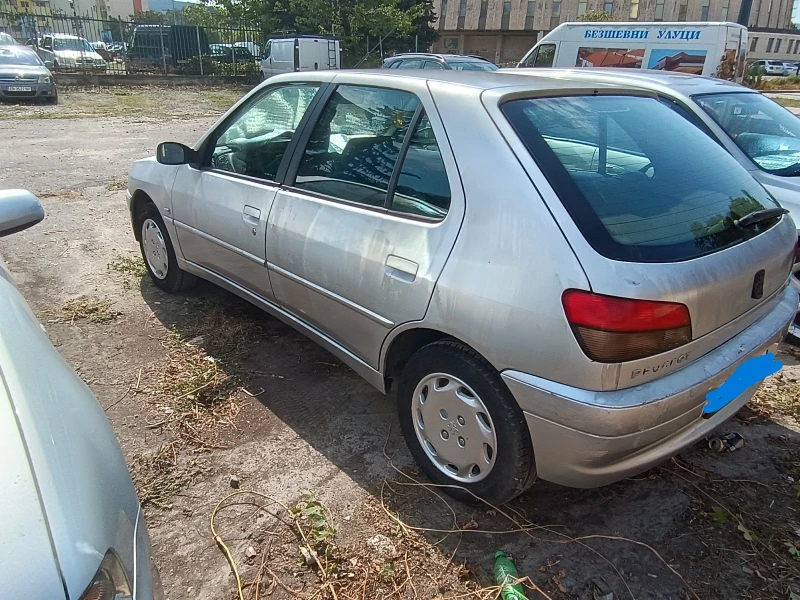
[158, 252]
[463, 426]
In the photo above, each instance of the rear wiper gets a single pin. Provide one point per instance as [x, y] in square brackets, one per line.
[759, 216]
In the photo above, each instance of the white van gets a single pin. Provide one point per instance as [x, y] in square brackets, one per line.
[302, 53]
[705, 48]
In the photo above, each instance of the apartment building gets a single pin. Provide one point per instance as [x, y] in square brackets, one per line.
[504, 30]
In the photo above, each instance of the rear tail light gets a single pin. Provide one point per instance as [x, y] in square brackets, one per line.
[611, 329]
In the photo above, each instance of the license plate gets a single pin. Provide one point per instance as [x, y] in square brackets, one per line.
[750, 372]
[19, 88]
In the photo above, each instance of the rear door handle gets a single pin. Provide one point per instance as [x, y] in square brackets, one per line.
[251, 214]
[401, 269]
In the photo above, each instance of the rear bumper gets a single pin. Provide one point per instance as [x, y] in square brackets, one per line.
[587, 439]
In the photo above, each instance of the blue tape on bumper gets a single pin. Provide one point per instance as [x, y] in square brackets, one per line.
[748, 373]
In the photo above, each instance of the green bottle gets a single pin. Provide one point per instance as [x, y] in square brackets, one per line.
[504, 573]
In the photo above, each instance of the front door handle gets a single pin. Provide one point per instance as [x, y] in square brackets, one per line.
[401, 269]
[251, 214]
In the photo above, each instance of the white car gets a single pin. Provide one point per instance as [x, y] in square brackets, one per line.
[72, 525]
[772, 67]
[70, 53]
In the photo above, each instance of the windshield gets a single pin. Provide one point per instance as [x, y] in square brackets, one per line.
[19, 56]
[637, 192]
[471, 65]
[76, 44]
[764, 130]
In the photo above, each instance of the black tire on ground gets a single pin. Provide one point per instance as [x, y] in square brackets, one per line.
[514, 468]
[176, 278]
[52, 99]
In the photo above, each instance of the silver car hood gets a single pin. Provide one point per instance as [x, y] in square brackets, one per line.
[28, 568]
[86, 497]
[11, 71]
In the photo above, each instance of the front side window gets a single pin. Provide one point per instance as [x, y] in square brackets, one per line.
[355, 144]
[254, 141]
[546, 55]
[764, 130]
[422, 186]
[434, 65]
[639, 193]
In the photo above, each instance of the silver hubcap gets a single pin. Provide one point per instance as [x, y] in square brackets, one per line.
[155, 248]
[454, 428]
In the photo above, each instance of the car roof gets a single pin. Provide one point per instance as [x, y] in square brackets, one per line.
[484, 80]
[444, 57]
[661, 81]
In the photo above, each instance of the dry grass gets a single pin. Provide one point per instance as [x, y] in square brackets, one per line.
[193, 399]
[82, 308]
[778, 396]
[117, 185]
[135, 102]
[62, 194]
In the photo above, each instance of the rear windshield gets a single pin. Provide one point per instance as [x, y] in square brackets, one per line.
[641, 182]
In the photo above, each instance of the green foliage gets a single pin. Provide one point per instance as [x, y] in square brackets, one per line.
[753, 75]
[719, 514]
[311, 512]
[387, 572]
[746, 533]
[793, 550]
[596, 15]
[400, 25]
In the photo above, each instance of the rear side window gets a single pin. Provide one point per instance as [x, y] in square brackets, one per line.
[638, 192]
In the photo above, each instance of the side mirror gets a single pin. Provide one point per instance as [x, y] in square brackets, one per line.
[19, 209]
[173, 153]
[48, 64]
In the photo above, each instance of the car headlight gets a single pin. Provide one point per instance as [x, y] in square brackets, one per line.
[44, 78]
[110, 581]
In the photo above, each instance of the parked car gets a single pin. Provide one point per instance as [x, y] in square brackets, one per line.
[7, 39]
[23, 75]
[70, 53]
[118, 50]
[72, 525]
[225, 53]
[102, 50]
[560, 279]
[155, 45]
[425, 60]
[791, 68]
[772, 67]
[254, 48]
[300, 53]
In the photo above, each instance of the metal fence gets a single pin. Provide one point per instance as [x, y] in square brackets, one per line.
[91, 44]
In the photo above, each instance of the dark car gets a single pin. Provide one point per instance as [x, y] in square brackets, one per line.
[23, 75]
[424, 60]
[154, 45]
[227, 54]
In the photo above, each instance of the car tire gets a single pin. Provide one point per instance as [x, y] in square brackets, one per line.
[158, 252]
[53, 100]
[463, 426]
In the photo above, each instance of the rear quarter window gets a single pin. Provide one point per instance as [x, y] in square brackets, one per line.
[639, 192]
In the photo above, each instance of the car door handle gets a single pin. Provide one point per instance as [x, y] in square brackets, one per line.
[251, 214]
[401, 269]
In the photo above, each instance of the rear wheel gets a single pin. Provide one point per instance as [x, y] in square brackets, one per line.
[463, 426]
[158, 252]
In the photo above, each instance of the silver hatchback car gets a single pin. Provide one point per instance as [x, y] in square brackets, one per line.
[553, 285]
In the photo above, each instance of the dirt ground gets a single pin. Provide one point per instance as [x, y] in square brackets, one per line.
[209, 396]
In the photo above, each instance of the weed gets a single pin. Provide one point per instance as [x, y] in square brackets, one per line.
[128, 266]
[158, 477]
[82, 309]
[62, 194]
[117, 185]
[788, 102]
[387, 572]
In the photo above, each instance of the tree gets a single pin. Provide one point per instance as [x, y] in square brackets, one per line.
[149, 17]
[596, 15]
